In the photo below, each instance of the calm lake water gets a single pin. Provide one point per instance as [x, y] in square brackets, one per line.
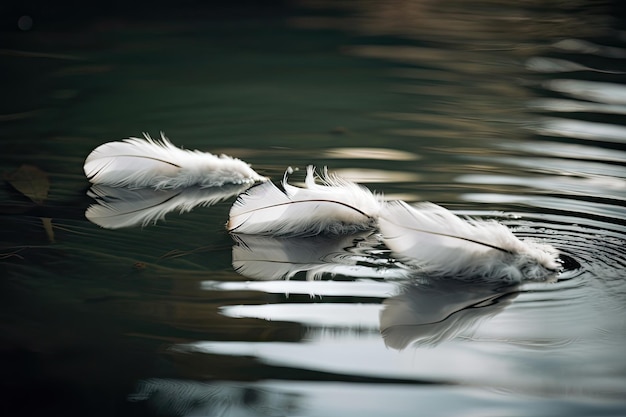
[504, 112]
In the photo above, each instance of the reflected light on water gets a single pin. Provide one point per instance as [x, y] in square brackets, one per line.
[602, 92]
[314, 289]
[454, 21]
[344, 354]
[570, 106]
[603, 186]
[361, 288]
[583, 208]
[579, 129]
[363, 175]
[566, 150]
[370, 153]
[328, 315]
[613, 174]
[553, 65]
[582, 46]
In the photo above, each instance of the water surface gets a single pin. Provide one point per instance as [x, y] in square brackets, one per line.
[512, 113]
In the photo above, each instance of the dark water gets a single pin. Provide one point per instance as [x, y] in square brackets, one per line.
[507, 112]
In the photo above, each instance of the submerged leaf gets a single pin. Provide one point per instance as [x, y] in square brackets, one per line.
[30, 181]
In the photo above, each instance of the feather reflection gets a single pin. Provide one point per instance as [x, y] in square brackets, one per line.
[417, 309]
[118, 207]
[431, 311]
[267, 258]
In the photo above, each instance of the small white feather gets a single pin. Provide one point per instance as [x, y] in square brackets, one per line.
[440, 242]
[118, 207]
[142, 163]
[336, 206]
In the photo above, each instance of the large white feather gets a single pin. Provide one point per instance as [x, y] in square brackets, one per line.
[139, 163]
[336, 206]
[118, 207]
[442, 243]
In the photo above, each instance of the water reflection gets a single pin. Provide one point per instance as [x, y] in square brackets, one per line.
[572, 106]
[267, 258]
[416, 309]
[447, 81]
[579, 129]
[582, 46]
[170, 397]
[595, 91]
[565, 151]
[435, 310]
[370, 153]
[118, 207]
[554, 65]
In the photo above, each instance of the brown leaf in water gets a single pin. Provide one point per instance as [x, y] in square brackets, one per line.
[30, 181]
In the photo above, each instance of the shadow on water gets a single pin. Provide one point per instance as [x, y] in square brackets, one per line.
[496, 111]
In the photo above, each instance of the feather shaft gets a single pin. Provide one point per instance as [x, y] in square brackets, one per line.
[335, 206]
[158, 164]
[439, 242]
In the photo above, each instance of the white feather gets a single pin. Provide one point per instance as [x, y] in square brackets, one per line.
[139, 163]
[336, 206]
[440, 242]
[118, 207]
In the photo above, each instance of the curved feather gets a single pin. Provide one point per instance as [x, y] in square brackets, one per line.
[336, 206]
[139, 163]
[440, 242]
